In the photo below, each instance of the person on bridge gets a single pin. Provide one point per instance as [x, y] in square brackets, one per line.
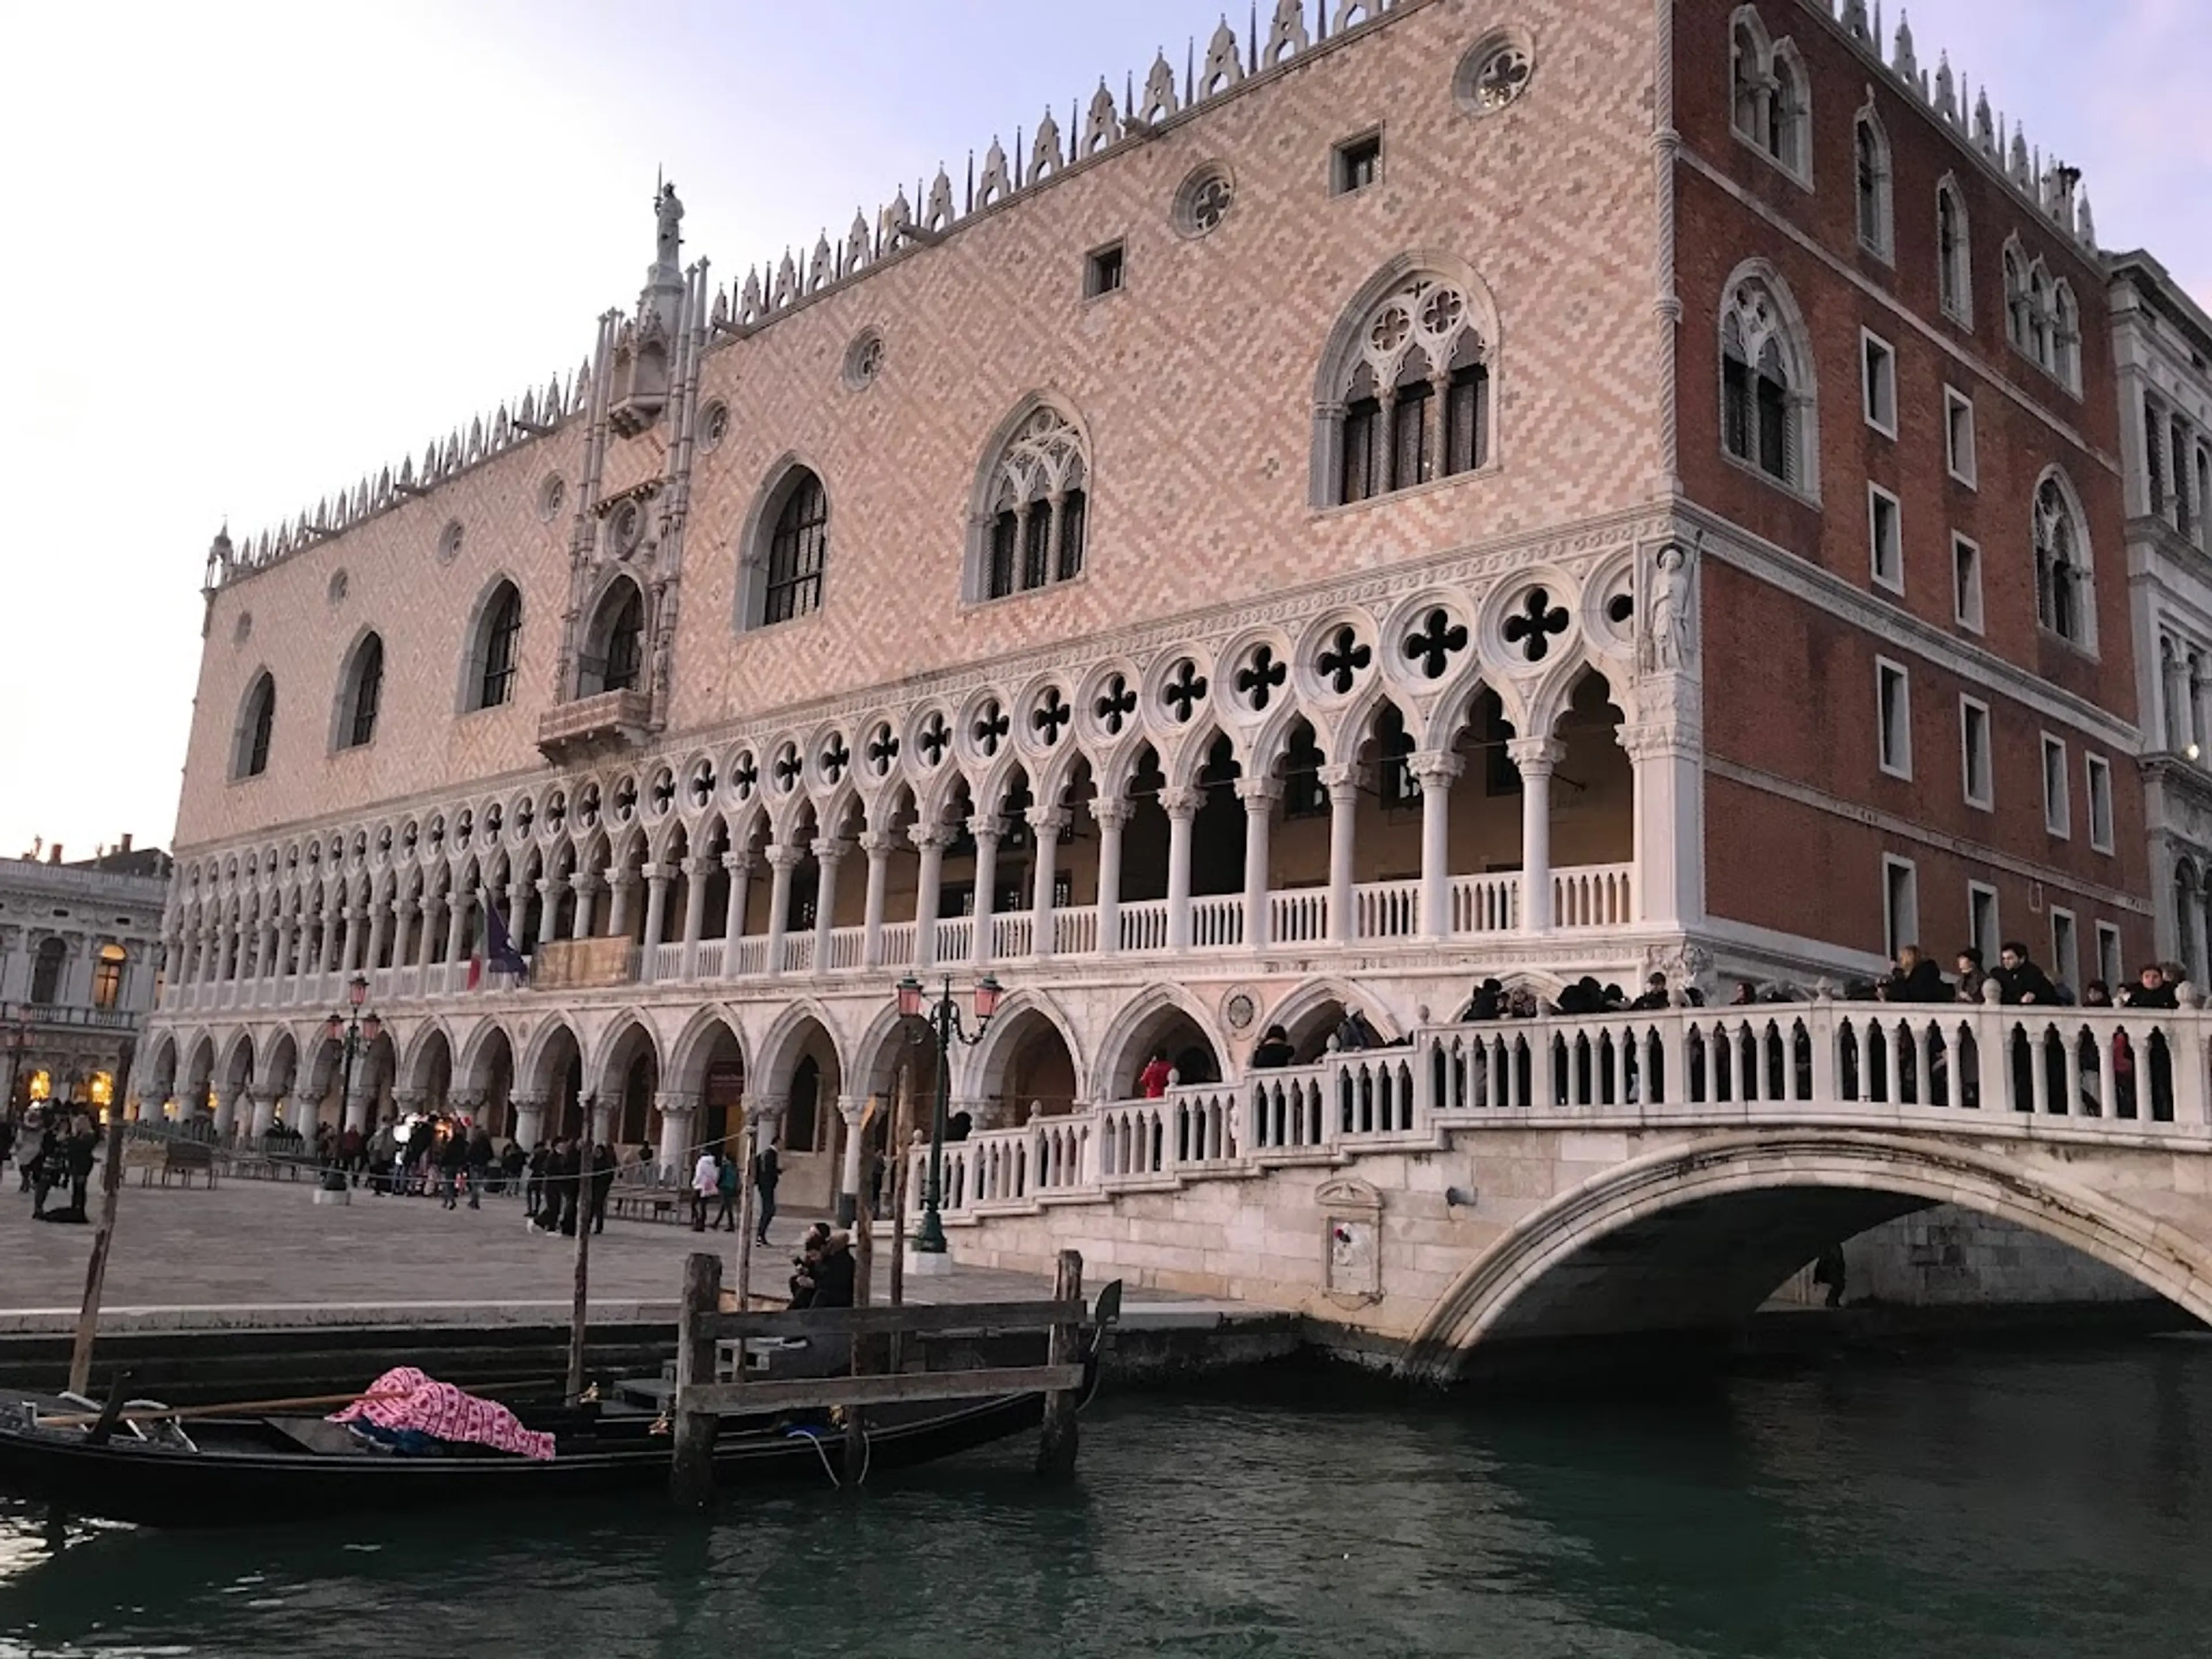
[1970, 976]
[1653, 998]
[1914, 978]
[1488, 1003]
[2019, 981]
[1153, 1081]
[2152, 989]
[1273, 1050]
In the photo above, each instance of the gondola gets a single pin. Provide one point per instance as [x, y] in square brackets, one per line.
[222, 1471]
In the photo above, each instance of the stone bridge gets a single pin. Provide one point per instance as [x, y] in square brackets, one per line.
[1657, 1173]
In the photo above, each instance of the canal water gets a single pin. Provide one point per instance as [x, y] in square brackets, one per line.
[2002, 1505]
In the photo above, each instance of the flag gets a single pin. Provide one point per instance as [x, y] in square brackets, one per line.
[498, 952]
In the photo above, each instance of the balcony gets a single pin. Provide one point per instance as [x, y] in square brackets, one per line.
[69, 1014]
[571, 730]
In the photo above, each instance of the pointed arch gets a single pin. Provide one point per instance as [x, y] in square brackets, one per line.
[1770, 94]
[2065, 597]
[613, 656]
[693, 1048]
[255, 726]
[359, 698]
[1028, 515]
[1159, 1006]
[788, 1036]
[982, 1069]
[1405, 388]
[1954, 251]
[491, 666]
[1873, 170]
[783, 551]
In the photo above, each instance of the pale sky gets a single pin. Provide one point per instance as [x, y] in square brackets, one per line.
[254, 251]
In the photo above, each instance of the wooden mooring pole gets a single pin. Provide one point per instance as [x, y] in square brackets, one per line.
[1056, 1440]
[691, 1475]
[579, 1317]
[95, 1270]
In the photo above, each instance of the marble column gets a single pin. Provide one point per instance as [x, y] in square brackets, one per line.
[828, 853]
[929, 880]
[1047, 825]
[656, 917]
[695, 874]
[1536, 757]
[1436, 770]
[877, 844]
[586, 887]
[548, 910]
[1259, 796]
[529, 1120]
[678, 1109]
[260, 1112]
[1666, 756]
[623, 885]
[986, 832]
[1180, 803]
[1343, 785]
[782, 859]
[740, 866]
[850, 1110]
[1111, 817]
[457, 928]
[431, 910]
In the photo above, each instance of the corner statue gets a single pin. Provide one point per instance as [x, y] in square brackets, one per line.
[670, 213]
[1667, 637]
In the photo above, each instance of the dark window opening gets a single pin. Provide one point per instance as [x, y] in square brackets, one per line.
[367, 692]
[1103, 272]
[503, 639]
[1358, 163]
[796, 552]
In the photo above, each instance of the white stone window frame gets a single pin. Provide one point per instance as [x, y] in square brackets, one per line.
[1878, 238]
[345, 701]
[468, 691]
[1894, 581]
[1795, 162]
[2110, 964]
[2097, 783]
[1984, 920]
[1899, 875]
[1345, 350]
[2085, 565]
[1980, 794]
[1878, 383]
[2043, 318]
[1784, 324]
[1954, 280]
[1969, 473]
[784, 477]
[1061, 460]
[1966, 605]
[1892, 718]
[2065, 948]
[2057, 788]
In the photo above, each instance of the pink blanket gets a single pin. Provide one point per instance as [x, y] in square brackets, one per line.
[412, 1400]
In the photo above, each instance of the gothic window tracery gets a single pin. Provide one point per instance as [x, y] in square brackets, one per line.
[1954, 255]
[1871, 181]
[498, 647]
[1416, 394]
[257, 721]
[2061, 571]
[1767, 102]
[1037, 506]
[616, 655]
[1765, 398]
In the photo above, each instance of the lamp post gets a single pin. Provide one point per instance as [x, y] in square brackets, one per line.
[943, 1022]
[354, 1030]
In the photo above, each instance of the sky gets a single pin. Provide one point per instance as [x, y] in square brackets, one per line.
[255, 251]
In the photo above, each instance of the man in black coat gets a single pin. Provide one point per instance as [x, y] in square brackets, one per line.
[1916, 978]
[603, 1184]
[2019, 981]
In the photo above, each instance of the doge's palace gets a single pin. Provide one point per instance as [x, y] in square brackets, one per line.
[1344, 516]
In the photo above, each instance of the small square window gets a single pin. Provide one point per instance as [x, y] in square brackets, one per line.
[2058, 805]
[1358, 163]
[1103, 271]
[1967, 584]
[1900, 904]
[1977, 772]
[1878, 383]
[2108, 954]
[1981, 919]
[1893, 715]
[1959, 436]
[1885, 538]
[2065, 949]
[2101, 802]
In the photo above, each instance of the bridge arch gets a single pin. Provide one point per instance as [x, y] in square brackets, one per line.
[1695, 1238]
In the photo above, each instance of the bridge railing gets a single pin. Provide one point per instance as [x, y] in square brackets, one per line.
[1996, 1069]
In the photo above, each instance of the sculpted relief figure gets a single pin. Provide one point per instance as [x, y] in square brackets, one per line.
[670, 214]
[1666, 645]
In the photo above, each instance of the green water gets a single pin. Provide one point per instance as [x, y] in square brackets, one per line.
[2049, 1506]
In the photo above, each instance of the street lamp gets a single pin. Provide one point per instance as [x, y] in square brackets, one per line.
[944, 1021]
[356, 1030]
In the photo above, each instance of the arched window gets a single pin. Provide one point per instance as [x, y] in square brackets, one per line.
[1765, 388]
[1416, 395]
[2061, 564]
[497, 649]
[361, 694]
[2038, 315]
[256, 719]
[46, 972]
[107, 977]
[2016, 298]
[1871, 174]
[1954, 269]
[2066, 340]
[1767, 104]
[614, 654]
[1037, 506]
[796, 550]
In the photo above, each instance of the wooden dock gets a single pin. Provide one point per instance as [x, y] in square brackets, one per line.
[881, 1373]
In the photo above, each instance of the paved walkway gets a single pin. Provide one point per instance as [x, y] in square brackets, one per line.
[264, 1254]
